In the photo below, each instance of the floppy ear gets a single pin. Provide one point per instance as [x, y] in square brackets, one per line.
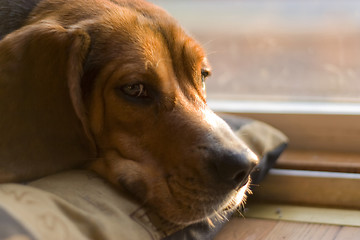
[43, 121]
[79, 48]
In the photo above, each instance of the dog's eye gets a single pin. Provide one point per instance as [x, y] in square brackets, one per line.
[135, 90]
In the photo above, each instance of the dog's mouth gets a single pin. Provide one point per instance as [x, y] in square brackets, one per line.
[182, 198]
[239, 197]
[190, 203]
[183, 202]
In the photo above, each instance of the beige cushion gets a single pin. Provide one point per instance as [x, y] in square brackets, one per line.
[75, 205]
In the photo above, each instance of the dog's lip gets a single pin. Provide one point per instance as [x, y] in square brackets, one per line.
[138, 189]
[238, 198]
[196, 205]
[243, 183]
[213, 196]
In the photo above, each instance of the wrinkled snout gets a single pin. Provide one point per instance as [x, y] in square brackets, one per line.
[228, 159]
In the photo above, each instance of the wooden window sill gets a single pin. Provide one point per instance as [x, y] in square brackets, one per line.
[309, 126]
[281, 212]
[264, 229]
[320, 161]
[311, 188]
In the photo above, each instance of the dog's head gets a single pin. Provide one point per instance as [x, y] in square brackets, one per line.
[137, 83]
[155, 133]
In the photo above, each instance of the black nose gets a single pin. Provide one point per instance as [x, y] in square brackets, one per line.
[233, 168]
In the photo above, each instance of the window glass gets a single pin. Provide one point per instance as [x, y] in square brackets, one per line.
[282, 50]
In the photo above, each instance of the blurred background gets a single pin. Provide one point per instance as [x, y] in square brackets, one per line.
[277, 50]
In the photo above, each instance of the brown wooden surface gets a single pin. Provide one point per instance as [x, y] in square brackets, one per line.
[309, 190]
[320, 161]
[304, 214]
[258, 229]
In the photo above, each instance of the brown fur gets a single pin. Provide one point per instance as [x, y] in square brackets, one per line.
[62, 73]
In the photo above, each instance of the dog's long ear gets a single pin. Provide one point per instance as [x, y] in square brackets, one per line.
[40, 99]
[79, 48]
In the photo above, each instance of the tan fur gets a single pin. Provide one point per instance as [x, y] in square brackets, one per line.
[89, 49]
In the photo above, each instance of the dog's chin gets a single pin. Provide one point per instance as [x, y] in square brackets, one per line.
[136, 188]
[177, 203]
[182, 211]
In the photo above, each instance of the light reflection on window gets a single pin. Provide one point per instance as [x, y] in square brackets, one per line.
[292, 50]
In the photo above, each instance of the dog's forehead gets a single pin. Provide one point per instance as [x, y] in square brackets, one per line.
[150, 43]
[170, 44]
[154, 36]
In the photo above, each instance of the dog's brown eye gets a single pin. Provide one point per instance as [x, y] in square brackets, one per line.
[204, 73]
[135, 90]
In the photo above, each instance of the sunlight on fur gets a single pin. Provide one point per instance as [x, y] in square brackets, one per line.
[238, 200]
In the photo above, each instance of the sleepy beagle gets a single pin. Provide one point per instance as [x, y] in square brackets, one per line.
[118, 86]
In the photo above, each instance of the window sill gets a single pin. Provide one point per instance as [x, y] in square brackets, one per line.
[343, 217]
[334, 128]
[321, 168]
[309, 188]
[320, 161]
[252, 228]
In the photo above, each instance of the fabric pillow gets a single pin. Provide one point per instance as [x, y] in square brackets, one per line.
[80, 205]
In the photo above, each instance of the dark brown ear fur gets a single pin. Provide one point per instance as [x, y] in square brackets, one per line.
[13, 14]
[40, 101]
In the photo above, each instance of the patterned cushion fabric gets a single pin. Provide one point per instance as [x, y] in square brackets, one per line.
[78, 204]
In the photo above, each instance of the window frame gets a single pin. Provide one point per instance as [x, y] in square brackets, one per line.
[310, 126]
[310, 172]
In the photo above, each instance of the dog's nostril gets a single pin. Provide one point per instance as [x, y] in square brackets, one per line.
[234, 168]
